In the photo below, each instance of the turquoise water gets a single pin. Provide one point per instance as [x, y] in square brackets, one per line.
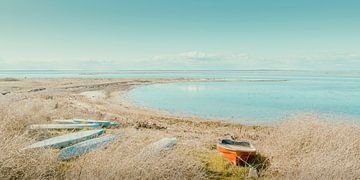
[250, 96]
[256, 101]
[227, 74]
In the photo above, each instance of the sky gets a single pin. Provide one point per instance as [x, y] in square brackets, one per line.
[180, 34]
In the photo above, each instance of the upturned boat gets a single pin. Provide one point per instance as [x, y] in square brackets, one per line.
[66, 139]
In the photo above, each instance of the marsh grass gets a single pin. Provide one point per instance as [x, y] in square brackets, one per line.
[310, 147]
[125, 159]
[15, 162]
[303, 147]
[218, 167]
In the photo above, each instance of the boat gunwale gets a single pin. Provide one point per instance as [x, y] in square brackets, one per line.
[251, 148]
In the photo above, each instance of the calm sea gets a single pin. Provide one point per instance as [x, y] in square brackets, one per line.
[258, 96]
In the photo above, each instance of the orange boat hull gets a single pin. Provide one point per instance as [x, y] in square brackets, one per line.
[234, 156]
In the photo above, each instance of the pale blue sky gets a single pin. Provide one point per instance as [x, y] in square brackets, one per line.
[180, 34]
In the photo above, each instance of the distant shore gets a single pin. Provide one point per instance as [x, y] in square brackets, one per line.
[329, 147]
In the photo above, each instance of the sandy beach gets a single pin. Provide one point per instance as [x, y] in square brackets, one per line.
[304, 146]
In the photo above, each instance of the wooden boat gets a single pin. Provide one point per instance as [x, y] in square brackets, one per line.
[85, 147]
[67, 139]
[63, 126]
[236, 151]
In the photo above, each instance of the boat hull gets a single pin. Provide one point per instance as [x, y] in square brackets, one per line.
[100, 123]
[66, 140]
[64, 126]
[85, 147]
[235, 156]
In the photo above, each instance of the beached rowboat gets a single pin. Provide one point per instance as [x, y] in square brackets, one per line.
[85, 147]
[153, 150]
[99, 122]
[65, 121]
[236, 151]
[162, 144]
[63, 126]
[67, 139]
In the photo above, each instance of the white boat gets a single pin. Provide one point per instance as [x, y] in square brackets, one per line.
[67, 139]
[155, 148]
[66, 121]
[162, 144]
[85, 147]
[99, 122]
[63, 126]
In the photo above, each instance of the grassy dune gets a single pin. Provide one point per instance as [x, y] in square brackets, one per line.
[304, 146]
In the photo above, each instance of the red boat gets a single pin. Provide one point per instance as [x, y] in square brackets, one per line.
[236, 151]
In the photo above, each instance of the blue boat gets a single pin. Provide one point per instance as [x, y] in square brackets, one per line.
[67, 139]
[85, 147]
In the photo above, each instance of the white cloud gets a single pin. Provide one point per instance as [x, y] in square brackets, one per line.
[204, 60]
[200, 56]
[191, 55]
[322, 56]
[199, 60]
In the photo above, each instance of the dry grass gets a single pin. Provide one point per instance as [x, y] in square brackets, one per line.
[303, 147]
[16, 163]
[309, 147]
[120, 160]
[126, 160]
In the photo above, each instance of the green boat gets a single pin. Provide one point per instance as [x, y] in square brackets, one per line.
[67, 139]
[63, 126]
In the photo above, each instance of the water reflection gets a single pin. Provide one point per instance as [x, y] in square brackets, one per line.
[253, 101]
[192, 88]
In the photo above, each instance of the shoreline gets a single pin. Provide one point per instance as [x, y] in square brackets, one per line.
[42, 100]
